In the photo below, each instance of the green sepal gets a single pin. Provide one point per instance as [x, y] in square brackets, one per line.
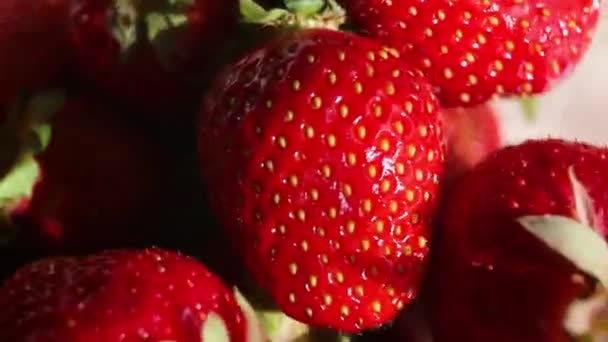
[163, 32]
[18, 131]
[302, 14]
[18, 183]
[529, 106]
[305, 7]
[124, 23]
[134, 22]
[253, 13]
[214, 329]
[280, 327]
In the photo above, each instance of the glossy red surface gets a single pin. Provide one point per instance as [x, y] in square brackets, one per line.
[323, 155]
[115, 296]
[493, 281]
[473, 49]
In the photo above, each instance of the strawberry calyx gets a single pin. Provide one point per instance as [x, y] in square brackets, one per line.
[255, 330]
[298, 14]
[214, 329]
[268, 324]
[18, 183]
[579, 240]
[151, 21]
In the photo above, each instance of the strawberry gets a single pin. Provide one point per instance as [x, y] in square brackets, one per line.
[147, 54]
[472, 50]
[32, 45]
[491, 279]
[120, 295]
[322, 153]
[99, 182]
[472, 134]
[32, 53]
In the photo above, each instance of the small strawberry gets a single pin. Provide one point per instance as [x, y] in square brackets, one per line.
[472, 50]
[147, 54]
[97, 182]
[121, 295]
[522, 238]
[472, 134]
[322, 153]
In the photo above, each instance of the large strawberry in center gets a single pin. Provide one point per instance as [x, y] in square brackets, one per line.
[322, 152]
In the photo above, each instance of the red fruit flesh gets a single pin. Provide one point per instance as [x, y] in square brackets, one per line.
[472, 50]
[148, 295]
[493, 281]
[472, 134]
[101, 182]
[322, 153]
[148, 79]
[32, 46]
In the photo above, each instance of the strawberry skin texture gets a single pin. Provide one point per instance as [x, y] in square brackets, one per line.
[144, 82]
[32, 46]
[101, 182]
[472, 50]
[472, 134]
[493, 281]
[322, 152]
[117, 295]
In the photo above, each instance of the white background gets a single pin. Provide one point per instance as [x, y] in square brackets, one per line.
[576, 109]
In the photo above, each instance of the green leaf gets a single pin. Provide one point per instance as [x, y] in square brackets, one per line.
[577, 242]
[157, 23]
[163, 30]
[214, 329]
[305, 7]
[255, 14]
[41, 138]
[255, 332]
[529, 106]
[582, 201]
[251, 11]
[19, 183]
[123, 24]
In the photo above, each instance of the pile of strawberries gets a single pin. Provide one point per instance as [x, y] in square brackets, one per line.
[312, 170]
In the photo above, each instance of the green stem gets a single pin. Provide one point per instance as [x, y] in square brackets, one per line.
[529, 106]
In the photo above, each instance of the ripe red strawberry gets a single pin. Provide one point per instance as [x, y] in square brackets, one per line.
[147, 54]
[99, 182]
[491, 279]
[119, 295]
[471, 50]
[32, 46]
[472, 134]
[322, 153]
